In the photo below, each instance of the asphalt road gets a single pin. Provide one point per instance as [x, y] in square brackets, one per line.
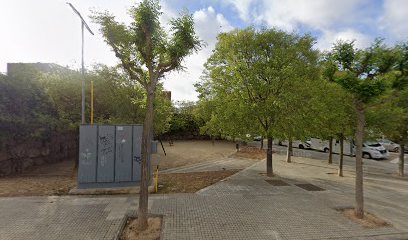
[385, 166]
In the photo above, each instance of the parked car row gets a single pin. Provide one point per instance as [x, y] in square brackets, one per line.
[371, 149]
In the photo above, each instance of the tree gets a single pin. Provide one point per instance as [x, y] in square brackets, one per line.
[184, 121]
[298, 115]
[146, 54]
[394, 103]
[400, 87]
[250, 75]
[360, 73]
[336, 116]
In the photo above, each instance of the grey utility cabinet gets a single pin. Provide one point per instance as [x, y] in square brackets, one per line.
[110, 155]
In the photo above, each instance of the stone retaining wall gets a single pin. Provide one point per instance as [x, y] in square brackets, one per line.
[15, 158]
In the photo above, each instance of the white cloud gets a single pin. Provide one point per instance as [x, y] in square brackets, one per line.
[243, 8]
[334, 20]
[328, 38]
[208, 25]
[395, 17]
[289, 14]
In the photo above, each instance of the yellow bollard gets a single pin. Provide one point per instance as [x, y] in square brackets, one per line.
[157, 173]
[157, 178]
[92, 101]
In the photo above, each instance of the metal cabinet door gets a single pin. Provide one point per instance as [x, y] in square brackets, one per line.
[87, 154]
[123, 164]
[137, 152]
[106, 154]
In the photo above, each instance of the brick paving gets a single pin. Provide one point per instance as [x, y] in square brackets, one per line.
[60, 217]
[244, 206]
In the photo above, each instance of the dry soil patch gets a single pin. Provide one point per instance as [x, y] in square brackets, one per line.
[130, 231]
[369, 220]
[59, 178]
[190, 182]
[52, 179]
[183, 153]
[250, 153]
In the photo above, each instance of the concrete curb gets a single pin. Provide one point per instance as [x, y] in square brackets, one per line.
[112, 191]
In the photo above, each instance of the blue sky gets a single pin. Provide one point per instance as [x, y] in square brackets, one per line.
[48, 31]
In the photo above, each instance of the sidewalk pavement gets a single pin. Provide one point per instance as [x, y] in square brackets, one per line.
[244, 206]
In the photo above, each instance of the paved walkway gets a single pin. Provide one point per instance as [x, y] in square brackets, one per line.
[243, 206]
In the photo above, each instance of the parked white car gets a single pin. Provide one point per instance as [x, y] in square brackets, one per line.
[323, 145]
[295, 143]
[389, 145]
[374, 150]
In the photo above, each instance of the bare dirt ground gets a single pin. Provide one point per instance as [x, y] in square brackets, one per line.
[190, 152]
[130, 231]
[52, 179]
[59, 178]
[190, 182]
[250, 153]
[369, 220]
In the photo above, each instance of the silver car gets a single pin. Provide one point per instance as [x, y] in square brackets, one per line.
[389, 145]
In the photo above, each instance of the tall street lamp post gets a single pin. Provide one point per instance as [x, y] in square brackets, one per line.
[83, 24]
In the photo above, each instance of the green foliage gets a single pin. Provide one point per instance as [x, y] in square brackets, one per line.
[254, 79]
[35, 104]
[401, 67]
[358, 71]
[332, 109]
[163, 112]
[387, 117]
[144, 42]
[26, 110]
[365, 90]
[389, 114]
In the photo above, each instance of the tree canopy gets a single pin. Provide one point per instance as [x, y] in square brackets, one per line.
[250, 77]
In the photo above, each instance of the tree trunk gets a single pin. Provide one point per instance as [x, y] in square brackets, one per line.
[146, 150]
[261, 143]
[359, 208]
[289, 151]
[330, 150]
[401, 160]
[341, 155]
[269, 167]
